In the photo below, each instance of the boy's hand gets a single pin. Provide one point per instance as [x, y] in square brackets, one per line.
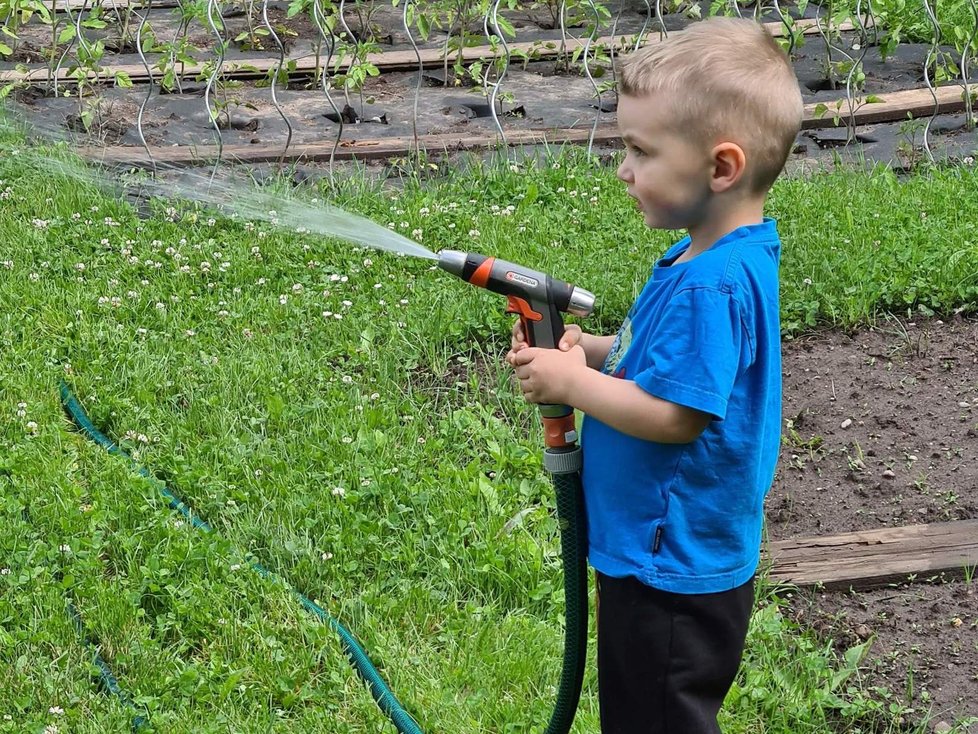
[549, 375]
[571, 338]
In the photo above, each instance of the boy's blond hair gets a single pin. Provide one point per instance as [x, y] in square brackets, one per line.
[725, 78]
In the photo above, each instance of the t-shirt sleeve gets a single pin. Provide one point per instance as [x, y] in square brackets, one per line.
[695, 351]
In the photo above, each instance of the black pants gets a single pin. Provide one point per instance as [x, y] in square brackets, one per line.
[666, 661]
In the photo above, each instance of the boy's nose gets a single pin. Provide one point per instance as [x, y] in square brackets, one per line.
[624, 173]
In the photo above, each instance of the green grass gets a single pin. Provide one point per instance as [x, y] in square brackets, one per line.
[380, 462]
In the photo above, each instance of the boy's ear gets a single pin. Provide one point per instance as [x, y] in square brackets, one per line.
[729, 165]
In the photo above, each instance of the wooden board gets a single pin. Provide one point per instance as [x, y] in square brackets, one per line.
[892, 107]
[876, 557]
[259, 67]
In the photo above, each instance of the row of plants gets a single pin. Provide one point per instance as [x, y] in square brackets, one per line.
[351, 34]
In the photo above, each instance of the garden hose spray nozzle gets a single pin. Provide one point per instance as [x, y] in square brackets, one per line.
[538, 300]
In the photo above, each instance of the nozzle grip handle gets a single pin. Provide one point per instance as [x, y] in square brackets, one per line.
[543, 326]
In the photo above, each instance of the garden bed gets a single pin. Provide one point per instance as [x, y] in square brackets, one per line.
[536, 93]
[883, 432]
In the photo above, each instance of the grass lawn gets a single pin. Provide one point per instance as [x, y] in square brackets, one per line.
[344, 415]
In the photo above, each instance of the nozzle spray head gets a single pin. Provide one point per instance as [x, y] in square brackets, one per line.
[535, 297]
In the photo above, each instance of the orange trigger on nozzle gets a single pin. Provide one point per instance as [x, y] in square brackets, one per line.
[519, 306]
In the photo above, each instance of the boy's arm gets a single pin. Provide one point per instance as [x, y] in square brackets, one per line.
[626, 407]
[565, 378]
[596, 348]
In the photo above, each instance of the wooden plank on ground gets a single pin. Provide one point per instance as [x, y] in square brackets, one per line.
[876, 557]
[892, 107]
[388, 61]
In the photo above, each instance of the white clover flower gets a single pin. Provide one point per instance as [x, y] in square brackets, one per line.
[364, 482]
[368, 262]
[347, 439]
[50, 729]
[297, 288]
[4, 572]
[64, 548]
[347, 379]
[347, 303]
[417, 234]
[474, 233]
[40, 223]
[326, 556]
[80, 267]
[337, 492]
[327, 314]
[56, 710]
[235, 566]
[247, 333]
[190, 332]
[31, 427]
[283, 299]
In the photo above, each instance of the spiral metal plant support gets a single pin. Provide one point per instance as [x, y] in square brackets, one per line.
[932, 55]
[215, 74]
[824, 32]
[645, 26]
[590, 77]
[786, 22]
[857, 64]
[561, 14]
[663, 33]
[143, 19]
[181, 31]
[417, 88]
[280, 64]
[966, 56]
[493, 18]
[736, 7]
[329, 38]
[57, 67]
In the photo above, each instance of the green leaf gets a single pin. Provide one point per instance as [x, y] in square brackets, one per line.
[5, 49]
[874, 99]
[122, 80]
[67, 34]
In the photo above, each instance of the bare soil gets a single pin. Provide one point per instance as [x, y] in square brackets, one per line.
[881, 429]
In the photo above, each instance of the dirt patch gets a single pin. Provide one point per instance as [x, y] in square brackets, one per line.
[924, 648]
[881, 429]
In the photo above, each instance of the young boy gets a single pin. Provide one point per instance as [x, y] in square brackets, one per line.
[683, 406]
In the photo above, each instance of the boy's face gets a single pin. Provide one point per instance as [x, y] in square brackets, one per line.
[667, 173]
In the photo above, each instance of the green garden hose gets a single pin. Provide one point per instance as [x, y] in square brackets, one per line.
[138, 721]
[570, 512]
[379, 689]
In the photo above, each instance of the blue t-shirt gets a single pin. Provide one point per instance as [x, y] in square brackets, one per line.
[686, 518]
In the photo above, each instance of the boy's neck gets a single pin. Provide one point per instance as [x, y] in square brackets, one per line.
[722, 221]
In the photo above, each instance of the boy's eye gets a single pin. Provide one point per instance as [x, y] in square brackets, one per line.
[637, 152]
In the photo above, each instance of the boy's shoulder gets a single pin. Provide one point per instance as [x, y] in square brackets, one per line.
[735, 262]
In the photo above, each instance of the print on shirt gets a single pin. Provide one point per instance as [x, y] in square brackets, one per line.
[618, 350]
